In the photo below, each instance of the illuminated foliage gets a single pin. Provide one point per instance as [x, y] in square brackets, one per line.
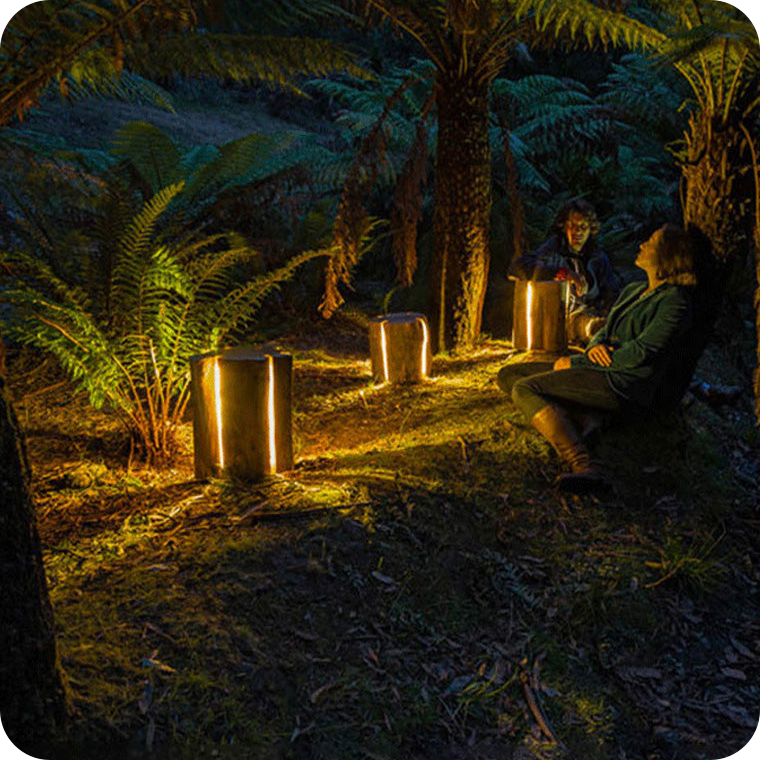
[169, 295]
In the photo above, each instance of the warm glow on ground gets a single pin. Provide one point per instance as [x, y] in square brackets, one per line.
[270, 416]
[218, 408]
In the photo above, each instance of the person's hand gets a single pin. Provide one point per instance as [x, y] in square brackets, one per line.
[578, 282]
[562, 363]
[600, 354]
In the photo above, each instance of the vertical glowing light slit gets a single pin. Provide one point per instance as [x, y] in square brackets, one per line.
[270, 415]
[424, 347]
[218, 408]
[529, 314]
[384, 351]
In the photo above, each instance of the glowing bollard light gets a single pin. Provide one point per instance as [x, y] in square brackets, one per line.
[538, 319]
[399, 346]
[242, 420]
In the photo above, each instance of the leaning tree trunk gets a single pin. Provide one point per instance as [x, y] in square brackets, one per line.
[33, 701]
[719, 184]
[722, 196]
[462, 206]
[757, 320]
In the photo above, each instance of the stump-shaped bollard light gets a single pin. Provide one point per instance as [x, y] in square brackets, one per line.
[242, 423]
[399, 347]
[538, 322]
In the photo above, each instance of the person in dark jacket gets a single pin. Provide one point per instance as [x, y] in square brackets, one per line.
[572, 254]
[632, 364]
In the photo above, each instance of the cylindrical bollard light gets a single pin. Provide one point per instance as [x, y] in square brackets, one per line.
[538, 322]
[242, 421]
[399, 347]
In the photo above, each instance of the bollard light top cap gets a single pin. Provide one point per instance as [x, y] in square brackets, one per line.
[399, 316]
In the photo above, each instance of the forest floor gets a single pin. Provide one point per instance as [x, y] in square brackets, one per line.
[414, 587]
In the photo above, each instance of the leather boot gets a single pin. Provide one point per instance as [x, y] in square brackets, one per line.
[586, 421]
[585, 475]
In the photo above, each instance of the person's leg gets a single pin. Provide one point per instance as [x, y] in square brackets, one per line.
[543, 400]
[582, 387]
[509, 374]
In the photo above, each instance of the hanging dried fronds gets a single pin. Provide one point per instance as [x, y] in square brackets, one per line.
[352, 223]
[407, 203]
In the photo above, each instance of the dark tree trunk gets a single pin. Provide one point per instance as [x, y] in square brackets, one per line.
[721, 200]
[757, 320]
[33, 702]
[719, 185]
[461, 223]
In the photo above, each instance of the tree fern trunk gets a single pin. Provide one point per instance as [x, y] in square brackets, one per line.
[721, 199]
[757, 319]
[32, 696]
[719, 185]
[462, 209]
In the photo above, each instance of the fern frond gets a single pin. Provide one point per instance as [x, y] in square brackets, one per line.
[133, 260]
[340, 267]
[581, 19]
[407, 205]
[276, 61]
[240, 162]
[151, 152]
[86, 81]
[73, 41]
[74, 339]
[43, 40]
[25, 268]
[242, 302]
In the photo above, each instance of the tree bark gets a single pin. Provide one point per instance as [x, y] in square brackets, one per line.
[757, 320]
[461, 219]
[33, 700]
[719, 184]
[722, 200]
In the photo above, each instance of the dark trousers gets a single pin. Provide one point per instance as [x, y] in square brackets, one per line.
[534, 385]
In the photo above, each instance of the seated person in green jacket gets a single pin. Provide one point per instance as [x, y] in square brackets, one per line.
[573, 254]
[635, 362]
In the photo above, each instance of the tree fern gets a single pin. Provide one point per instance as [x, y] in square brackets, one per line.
[153, 154]
[552, 114]
[95, 74]
[171, 297]
[84, 43]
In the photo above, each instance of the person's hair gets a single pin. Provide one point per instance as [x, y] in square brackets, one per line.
[675, 256]
[578, 206]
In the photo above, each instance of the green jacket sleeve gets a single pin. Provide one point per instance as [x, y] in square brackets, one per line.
[647, 336]
[670, 319]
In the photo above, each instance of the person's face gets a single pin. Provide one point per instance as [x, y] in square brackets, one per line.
[577, 230]
[647, 256]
